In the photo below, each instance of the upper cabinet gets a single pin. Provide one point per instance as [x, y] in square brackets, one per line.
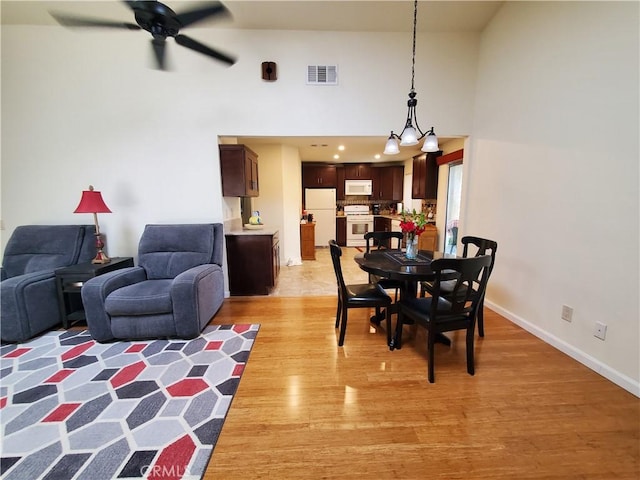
[239, 171]
[425, 176]
[357, 171]
[340, 183]
[318, 176]
[388, 183]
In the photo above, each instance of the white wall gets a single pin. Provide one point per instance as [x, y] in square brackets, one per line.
[552, 175]
[280, 200]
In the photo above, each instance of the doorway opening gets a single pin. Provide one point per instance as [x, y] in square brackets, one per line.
[454, 194]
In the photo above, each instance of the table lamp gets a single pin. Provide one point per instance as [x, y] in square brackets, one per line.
[92, 202]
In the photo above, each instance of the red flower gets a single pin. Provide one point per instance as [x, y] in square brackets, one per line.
[413, 224]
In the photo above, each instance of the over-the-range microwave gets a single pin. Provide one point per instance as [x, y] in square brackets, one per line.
[358, 187]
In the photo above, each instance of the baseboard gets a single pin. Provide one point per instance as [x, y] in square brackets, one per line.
[594, 364]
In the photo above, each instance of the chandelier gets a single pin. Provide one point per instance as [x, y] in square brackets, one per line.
[411, 135]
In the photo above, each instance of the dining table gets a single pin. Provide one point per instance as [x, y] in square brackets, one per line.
[394, 264]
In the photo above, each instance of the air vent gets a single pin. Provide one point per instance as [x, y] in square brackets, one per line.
[322, 75]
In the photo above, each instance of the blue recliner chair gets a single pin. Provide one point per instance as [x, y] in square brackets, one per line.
[175, 290]
[28, 296]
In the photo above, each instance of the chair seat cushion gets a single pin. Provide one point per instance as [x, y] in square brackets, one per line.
[145, 298]
[421, 307]
[366, 294]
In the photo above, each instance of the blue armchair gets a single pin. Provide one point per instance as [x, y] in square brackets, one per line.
[175, 290]
[28, 297]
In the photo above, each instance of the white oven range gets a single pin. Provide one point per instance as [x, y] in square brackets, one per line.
[359, 222]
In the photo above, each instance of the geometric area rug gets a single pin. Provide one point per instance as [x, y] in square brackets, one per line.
[75, 409]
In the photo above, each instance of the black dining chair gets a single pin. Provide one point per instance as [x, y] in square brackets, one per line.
[382, 240]
[366, 295]
[445, 311]
[482, 246]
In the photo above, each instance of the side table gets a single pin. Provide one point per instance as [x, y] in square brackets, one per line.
[69, 281]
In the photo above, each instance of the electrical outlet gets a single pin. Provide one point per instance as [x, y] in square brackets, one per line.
[567, 313]
[600, 331]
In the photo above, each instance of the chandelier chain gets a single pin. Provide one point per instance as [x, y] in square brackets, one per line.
[413, 59]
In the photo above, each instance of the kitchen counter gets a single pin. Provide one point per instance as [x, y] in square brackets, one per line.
[234, 227]
[246, 231]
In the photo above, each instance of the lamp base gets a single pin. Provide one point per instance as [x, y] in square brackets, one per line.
[101, 258]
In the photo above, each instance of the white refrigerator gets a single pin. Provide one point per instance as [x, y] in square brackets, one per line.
[321, 203]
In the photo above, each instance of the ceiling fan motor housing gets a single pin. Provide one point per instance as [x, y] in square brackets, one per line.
[157, 19]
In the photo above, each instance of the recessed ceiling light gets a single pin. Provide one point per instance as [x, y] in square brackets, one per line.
[377, 156]
[336, 156]
[341, 148]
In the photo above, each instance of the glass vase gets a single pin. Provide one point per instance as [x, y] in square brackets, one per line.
[412, 247]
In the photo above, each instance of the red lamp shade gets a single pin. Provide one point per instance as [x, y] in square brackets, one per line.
[91, 202]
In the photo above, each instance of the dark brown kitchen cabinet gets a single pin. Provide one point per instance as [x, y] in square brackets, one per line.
[239, 171]
[357, 171]
[425, 176]
[341, 231]
[388, 183]
[254, 263]
[382, 224]
[340, 183]
[318, 176]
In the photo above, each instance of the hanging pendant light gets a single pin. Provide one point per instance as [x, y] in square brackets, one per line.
[411, 133]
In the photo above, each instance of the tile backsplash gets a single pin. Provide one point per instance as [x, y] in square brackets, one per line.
[384, 206]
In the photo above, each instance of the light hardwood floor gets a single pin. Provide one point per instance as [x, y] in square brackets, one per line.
[308, 409]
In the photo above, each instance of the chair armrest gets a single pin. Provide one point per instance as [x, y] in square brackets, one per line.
[96, 290]
[29, 305]
[196, 295]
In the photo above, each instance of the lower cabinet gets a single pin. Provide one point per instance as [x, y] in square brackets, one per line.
[382, 224]
[341, 231]
[308, 241]
[428, 240]
[254, 263]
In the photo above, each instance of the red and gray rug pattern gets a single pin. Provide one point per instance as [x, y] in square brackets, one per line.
[74, 409]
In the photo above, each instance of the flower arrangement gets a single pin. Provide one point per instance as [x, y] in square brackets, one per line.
[413, 224]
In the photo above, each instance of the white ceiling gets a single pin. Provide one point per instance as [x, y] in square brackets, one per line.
[358, 15]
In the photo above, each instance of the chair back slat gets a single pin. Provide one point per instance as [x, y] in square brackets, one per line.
[483, 247]
[470, 276]
[336, 253]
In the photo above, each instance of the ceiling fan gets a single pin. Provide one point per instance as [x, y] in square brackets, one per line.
[161, 22]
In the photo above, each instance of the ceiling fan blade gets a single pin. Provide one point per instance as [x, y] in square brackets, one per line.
[204, 11]
[199, 47]
[159, 44]
[72, 21]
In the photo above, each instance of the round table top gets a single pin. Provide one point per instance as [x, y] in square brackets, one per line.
[394, 265]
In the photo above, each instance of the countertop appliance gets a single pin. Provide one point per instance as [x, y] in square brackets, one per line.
[321, 203]
[359, 222]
